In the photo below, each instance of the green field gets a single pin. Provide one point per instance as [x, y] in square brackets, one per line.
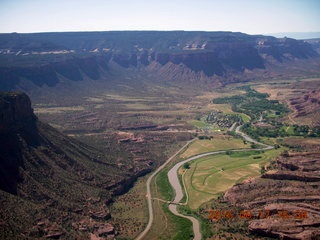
[245, 117]
[217, 143]
[210, 176]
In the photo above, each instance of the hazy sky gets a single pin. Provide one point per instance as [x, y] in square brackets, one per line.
[249, 16]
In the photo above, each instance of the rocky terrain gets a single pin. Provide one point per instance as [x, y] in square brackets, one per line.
[210, 58]
[126, 96]
[315, 42]
[51, 185]
[307, 104]
[284, 202]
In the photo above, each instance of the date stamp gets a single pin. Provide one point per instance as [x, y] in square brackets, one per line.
[217, 214]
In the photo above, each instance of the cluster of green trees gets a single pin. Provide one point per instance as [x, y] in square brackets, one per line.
[253, 104]
[256, 105]
[280, 131]
[203, 137]
[306, 131]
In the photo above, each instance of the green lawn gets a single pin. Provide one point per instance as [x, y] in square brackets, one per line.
[199, 124]
[244, 117]
[289, 129]
[209, 176]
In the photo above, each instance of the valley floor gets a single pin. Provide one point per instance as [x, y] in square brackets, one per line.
[138, 128]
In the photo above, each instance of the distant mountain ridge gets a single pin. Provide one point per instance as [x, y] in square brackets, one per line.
[212, 56]
[296, 35]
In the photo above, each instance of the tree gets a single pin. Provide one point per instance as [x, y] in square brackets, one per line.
[228, 152]
[255, 146]
[186, 165]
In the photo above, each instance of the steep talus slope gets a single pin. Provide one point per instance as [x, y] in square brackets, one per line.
[289, 195]
[307, 104]
[57, 181]
[216, 57]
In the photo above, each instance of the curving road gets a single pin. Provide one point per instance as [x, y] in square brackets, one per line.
[175, 183]
[149, 197]
[249, 139]
[174, 180]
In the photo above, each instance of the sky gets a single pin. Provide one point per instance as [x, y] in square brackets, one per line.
[248, 16]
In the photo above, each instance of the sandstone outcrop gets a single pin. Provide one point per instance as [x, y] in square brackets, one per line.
[290, 195]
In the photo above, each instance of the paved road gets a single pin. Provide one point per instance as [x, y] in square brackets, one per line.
[249, 139]
[175, 184]
[174, 181]
[149, 197]
[233, 126]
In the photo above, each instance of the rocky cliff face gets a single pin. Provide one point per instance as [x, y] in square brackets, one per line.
[45, 58]
[17, 121]
[306, 105]
[289, 194]
[15, 110]
[59, 181]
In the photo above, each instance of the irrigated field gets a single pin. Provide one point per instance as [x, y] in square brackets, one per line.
[212, 175]
[219, 142]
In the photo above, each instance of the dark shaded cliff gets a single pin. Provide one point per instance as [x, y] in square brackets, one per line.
[52, 175]
[46, 57]
[17, 122]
